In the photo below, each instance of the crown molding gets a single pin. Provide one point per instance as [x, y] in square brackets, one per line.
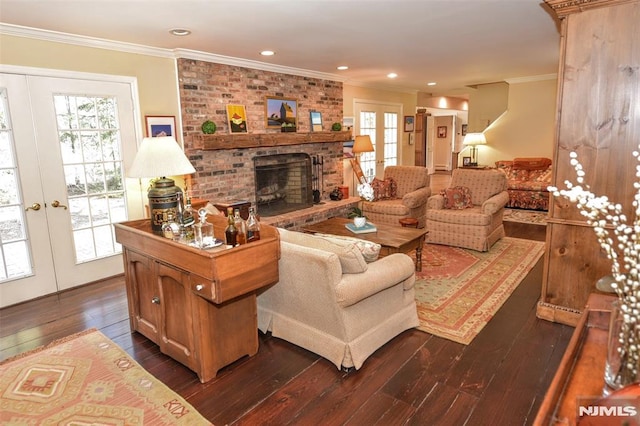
[366, 85]
[99, 43]
[562, 8]
[247, 63]
[532, 78]
[92, 42]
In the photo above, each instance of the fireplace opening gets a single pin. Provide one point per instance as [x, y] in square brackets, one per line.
[282, 183]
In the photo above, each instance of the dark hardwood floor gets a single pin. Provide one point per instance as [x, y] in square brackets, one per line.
[416, 379]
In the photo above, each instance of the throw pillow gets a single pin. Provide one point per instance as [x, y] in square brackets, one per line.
[457, 198]
[351, 259]
[370, 251]
[384, 189]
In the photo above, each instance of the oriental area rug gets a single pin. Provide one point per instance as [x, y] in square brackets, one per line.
[535, 217]
[459, 290]
[86, 379]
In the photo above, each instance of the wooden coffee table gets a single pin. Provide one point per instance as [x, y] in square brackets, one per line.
[393, 239]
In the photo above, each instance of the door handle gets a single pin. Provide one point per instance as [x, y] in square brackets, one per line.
[57, 204]
[34, 206]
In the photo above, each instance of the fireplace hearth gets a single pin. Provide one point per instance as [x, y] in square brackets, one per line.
[283, 183]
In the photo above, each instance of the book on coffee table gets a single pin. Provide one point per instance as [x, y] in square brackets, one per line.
[367, 228]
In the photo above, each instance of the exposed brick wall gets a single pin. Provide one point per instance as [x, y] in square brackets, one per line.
[228, 175]
[205, 90]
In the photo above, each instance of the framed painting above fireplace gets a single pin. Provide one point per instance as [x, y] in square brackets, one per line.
[316, 121]
[237, 118]
[279, 111]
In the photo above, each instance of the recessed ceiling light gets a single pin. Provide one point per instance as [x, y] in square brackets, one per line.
[392, 75]
[180, 32]
[343, 67]
[267, 53]
[431, 83]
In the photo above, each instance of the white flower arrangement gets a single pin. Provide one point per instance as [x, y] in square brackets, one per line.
[365, 191]
[619, 239]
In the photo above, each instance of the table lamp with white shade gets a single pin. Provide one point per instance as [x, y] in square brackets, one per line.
[473, 140]
[160, 157]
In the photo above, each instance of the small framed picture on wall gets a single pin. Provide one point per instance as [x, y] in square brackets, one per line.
[316, 121]
[408, 123]
[237, 118]
[160, 125]
[442, 131]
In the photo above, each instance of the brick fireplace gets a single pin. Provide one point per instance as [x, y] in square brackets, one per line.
[283, 183]
[227, 173]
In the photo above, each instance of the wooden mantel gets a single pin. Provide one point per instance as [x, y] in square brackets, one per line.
[258, 140]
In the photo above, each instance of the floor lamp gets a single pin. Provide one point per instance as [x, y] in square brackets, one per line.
[361, 144]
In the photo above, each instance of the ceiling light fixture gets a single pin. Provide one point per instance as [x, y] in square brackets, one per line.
[267, 53]
[431, 83]
[180, 32]
[392, 75]
[343, 67]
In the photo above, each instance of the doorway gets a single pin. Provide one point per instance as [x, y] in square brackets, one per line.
[444, 138]
[65, 144]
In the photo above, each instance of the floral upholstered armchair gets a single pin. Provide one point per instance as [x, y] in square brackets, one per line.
[402, 193]
[469, 213]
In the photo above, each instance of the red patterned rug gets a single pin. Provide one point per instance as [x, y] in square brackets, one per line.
[86, 379]
[459, 290]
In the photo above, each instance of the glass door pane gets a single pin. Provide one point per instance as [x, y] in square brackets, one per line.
[15, 256]
[89, 138]
[368, 159]
[390, 139]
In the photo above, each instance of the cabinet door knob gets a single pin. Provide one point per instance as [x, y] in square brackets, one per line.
[155, 300]
[199, 287]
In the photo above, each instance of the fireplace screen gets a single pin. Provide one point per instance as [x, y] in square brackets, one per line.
[283, 183]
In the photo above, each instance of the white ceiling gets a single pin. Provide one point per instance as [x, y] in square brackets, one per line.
[456, 43]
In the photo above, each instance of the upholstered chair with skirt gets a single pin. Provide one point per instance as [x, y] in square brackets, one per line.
[333, 301]
[469, 213]
[402, 193]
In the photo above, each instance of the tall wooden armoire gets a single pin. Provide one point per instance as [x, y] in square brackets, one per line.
[598, 117]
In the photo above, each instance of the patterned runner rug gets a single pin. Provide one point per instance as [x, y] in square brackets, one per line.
[86, 379]
[459, 290]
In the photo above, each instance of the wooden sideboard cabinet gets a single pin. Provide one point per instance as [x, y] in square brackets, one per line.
[581, 370]
[198, 306]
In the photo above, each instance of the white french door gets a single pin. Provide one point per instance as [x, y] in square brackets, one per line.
[382, 123]
[62, 183]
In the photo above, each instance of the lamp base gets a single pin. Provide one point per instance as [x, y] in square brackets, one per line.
[163, 202]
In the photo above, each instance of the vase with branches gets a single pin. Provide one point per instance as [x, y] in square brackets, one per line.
[619, 238]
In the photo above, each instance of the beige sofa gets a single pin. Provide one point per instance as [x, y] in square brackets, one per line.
[331, 302]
